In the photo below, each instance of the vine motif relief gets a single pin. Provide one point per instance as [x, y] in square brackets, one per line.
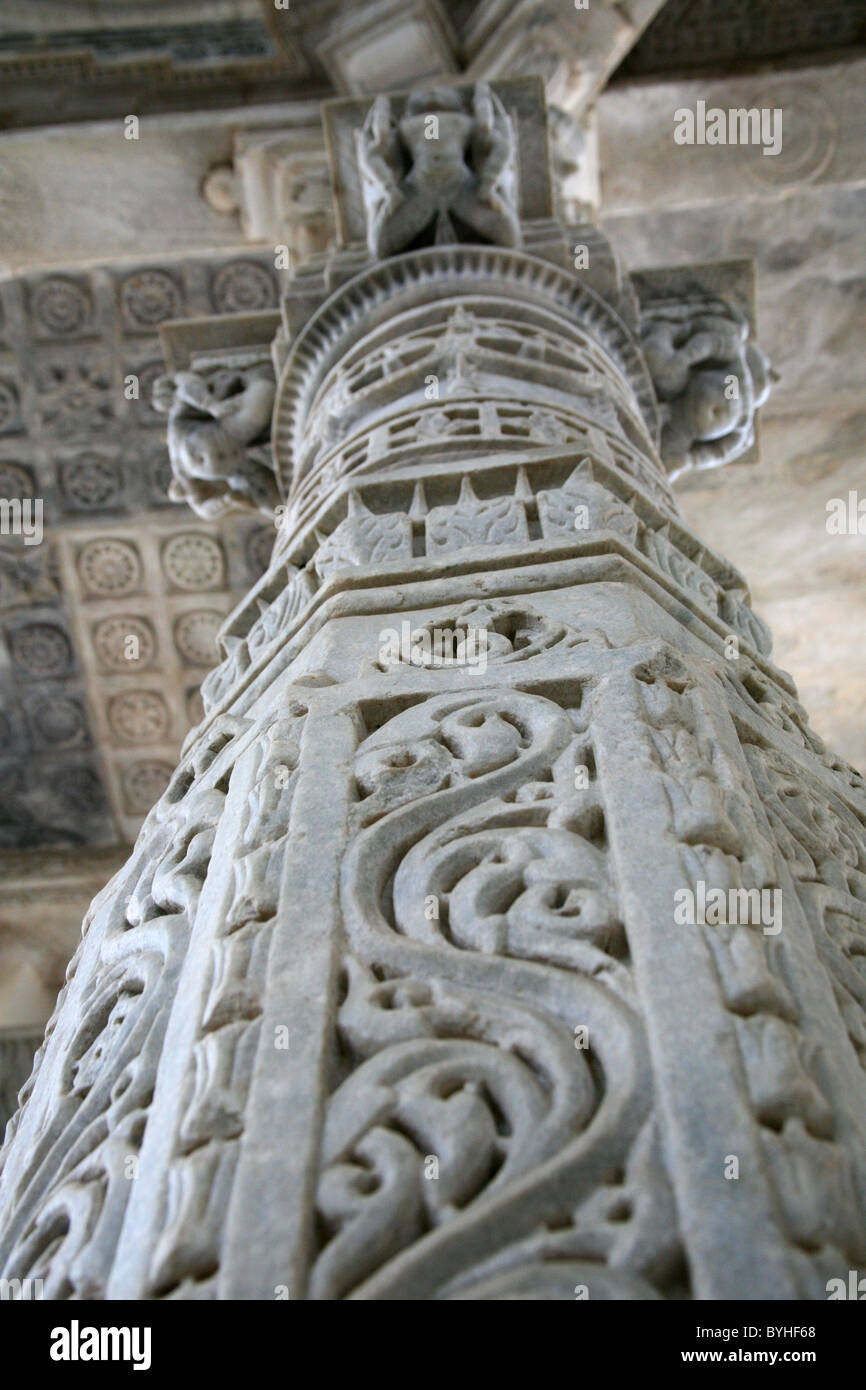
[69, 1200]
[202, 1169]
[722, 841]
[822, 841]
[484, 930]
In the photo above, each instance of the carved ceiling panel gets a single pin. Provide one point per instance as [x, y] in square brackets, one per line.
[109, 606]
[689, 34]
[101, 61]
[107, 59]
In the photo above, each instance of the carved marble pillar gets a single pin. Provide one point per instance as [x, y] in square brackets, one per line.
[395, 997]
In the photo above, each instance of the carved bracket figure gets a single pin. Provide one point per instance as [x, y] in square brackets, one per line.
[709, 377]
[439, 174]
[218, 426]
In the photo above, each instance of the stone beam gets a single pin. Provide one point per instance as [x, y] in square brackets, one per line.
[823, 116]
[138, 198]
[574, 46]
[799, 214]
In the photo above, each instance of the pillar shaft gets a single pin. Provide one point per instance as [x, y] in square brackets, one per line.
[499, 934]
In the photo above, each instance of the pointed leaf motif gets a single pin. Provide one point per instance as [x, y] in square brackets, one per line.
[364, 538]
[499, 521]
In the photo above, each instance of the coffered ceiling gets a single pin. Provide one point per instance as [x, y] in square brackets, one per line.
[108, 625]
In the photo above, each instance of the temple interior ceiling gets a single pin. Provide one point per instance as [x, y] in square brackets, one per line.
[105, 57]
[91, 730]
[689, 34]
[103, 240]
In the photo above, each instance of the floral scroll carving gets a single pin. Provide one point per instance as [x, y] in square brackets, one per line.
[202, 1167]
[801, 1110]
[484, 926]
[72, 1184]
